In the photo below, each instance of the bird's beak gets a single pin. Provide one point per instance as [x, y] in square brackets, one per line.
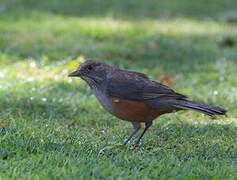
[75, 74]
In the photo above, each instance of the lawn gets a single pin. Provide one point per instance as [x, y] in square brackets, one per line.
[52, 127]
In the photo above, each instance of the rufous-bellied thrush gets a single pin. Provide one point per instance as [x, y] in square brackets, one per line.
[132, 96]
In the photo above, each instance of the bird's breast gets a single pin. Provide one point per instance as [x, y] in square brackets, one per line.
[104, 100]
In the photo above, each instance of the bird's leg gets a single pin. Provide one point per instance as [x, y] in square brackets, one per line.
[147, 125]
[136, 127]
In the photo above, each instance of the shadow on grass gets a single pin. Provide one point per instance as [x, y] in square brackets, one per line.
[202, 141]
[126, 9]
[70, 105]
[186, 53]
[53, 101]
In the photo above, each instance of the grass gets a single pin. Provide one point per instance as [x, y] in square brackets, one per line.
[52, 127]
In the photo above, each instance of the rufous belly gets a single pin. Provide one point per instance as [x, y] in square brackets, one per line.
[133, 110]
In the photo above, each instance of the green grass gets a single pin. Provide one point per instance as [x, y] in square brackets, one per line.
[52, 127]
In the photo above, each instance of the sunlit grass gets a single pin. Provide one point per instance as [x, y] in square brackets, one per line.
[59, 24]
[39, 33]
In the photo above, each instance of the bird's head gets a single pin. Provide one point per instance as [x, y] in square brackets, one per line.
[93, 72]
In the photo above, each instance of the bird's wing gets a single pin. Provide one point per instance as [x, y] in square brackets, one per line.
[137, 86]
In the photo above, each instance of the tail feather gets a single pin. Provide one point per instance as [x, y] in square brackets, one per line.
[202, 108]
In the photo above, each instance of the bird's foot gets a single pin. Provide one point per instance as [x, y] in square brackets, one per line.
[136, 145]
[107, 149]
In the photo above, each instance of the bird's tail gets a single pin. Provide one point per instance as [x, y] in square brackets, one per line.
[202, 108]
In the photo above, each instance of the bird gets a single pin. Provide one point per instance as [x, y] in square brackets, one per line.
[134, 97]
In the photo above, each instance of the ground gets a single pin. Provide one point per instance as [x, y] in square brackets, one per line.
[52, 127]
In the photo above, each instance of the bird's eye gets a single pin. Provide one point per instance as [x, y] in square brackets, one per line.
[89, 67]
